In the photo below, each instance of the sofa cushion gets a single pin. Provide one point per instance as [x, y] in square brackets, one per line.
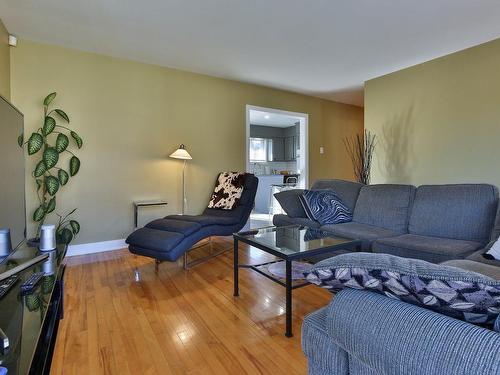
[478, 256]
[493, 252]
[171, 225]
[469, 265]
[325, 207]
[205, 220]
[348, 191]
[282, 220]
[431, 249]
[290, 202]
[385, 206]
[448, 290]
[358, 231]
[228, 190]
[463, 212]
[157, 240]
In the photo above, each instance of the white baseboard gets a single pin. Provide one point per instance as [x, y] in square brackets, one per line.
[95, 247]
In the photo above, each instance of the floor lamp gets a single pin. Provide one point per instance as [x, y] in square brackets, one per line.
[181, 153]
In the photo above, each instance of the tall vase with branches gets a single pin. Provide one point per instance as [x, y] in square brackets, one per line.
[50, 142]
[360, 149]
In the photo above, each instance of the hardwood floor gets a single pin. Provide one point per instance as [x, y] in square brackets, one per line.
[176, 321]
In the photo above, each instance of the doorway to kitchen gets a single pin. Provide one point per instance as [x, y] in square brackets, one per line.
[276, 152]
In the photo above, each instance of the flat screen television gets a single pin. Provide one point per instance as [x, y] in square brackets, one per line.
[12, 194]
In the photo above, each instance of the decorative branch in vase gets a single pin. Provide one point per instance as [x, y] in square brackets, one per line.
[52, 140]
[360, 149]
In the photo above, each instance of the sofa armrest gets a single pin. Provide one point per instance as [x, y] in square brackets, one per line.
[393, 337]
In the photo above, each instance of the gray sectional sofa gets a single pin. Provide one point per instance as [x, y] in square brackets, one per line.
[436, 223]
[363, 333]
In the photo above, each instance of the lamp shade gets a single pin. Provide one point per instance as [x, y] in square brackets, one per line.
[181, 153]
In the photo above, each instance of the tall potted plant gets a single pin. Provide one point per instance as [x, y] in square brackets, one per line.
[360, 149]
[48, 143]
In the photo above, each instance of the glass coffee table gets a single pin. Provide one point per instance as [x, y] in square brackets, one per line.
[290, 243]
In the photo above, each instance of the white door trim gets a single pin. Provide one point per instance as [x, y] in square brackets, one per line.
[304, 139]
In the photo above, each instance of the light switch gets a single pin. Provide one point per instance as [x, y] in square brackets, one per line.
[321, 150]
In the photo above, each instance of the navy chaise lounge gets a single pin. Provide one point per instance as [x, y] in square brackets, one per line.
[170, 238]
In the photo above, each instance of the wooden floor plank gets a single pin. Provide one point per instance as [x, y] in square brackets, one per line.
[176, 321]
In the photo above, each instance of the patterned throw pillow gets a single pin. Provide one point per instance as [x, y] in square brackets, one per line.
[451, 291]
[228, 190]
[325, 207]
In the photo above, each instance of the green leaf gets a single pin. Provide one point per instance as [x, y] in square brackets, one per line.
[48, 99]
[62, 142]
[51, 206]
[20, 140]
[48, 283]
[62, 114]
[52, 185]
[39, 184]
[63, 177]
[49, 125]
[75, 225]
[35, 143]
[65, 236]
[39, 214]
[74, 165]
[33, 301]
[40, 169]
[78, 140]
[50, 157]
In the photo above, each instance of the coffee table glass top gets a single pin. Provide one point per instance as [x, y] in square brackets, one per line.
[293, 239]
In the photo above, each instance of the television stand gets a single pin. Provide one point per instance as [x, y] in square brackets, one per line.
[31, 321]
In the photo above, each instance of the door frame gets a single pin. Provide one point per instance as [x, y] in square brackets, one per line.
[303, 160]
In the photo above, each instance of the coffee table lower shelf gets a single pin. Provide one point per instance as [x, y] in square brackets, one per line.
[293, 234]
[288, 284]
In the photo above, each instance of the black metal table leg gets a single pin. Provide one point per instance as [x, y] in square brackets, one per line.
[288, 332]
[236, 286]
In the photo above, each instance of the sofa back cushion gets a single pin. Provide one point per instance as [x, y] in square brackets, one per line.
[462, 212]
[385, 206]
[348, 191]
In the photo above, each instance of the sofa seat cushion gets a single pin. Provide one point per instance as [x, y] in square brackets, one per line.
[469, 265]
[154, 239]
[282, 220]
[431, 249]
[358, 231]
[171, 225]
[205, 220]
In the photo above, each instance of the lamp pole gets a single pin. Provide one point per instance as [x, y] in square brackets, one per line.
[184, 200]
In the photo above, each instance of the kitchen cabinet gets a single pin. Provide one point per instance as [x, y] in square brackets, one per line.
[278, 149]
[291, 146]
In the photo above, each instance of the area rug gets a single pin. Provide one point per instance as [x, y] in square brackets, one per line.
[278, 269]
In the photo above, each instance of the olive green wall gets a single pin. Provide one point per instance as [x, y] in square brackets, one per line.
[132, 115]
[438, 122]
[4, 62]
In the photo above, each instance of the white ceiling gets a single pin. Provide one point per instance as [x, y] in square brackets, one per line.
[274, 120]
[326, 48]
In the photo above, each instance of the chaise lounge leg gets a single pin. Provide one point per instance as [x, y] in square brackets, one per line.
[157, 264]
[211, 254]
